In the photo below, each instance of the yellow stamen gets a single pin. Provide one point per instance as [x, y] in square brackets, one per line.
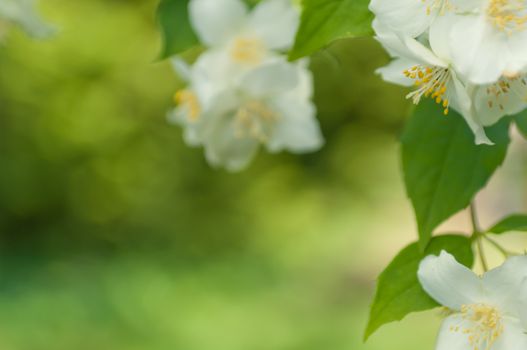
[188, 99]
[507, 15]
[482, 324]
[430, 82]
[249, 51]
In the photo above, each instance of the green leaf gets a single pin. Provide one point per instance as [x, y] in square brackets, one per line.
[177, 32]
[398, 289]
[324, 21]
[517, 222]
[443, 168]
[521, 122]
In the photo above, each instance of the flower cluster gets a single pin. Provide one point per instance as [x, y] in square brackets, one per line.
[469, 55]
[22, 13]
[485, 313]
[242, 92]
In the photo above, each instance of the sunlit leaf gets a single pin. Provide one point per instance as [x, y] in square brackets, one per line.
[517, 222]
[178, 35]
[443, 168]
[324, 21]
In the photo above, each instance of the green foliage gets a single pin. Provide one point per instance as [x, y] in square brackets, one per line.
[324, 21]
[398, 289]
[177, 32]
[521, 122]
[517, 222]
[443, 168]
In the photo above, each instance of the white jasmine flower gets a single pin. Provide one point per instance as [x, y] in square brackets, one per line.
[270, 106]
[242, 93]
[488, 40]
[430, 72]
[508, 96]
[488, 312]
[414, 17]
[23, 14]
[245, 39]
[492, 101]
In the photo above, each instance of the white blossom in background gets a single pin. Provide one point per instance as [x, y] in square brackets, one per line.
[242, 94]
[243, 39]
[270, 106]
[487, 312]
[480, 46]
[22, 13]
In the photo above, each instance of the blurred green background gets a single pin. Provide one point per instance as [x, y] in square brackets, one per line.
[115, 235]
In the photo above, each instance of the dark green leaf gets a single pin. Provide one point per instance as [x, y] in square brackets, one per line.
[443, 168]
[521, 122]
[324, 21]
[398, 290]
[516, 222]
[177, 32]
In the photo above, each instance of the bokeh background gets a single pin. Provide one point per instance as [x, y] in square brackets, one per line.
[115, 235]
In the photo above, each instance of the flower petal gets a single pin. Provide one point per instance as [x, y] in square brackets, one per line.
[270, 79]
[389, 39]
[217, 21]
[439, 38]
[465, 5]
[448, 282]
[182, 68]
[408, 17]
[492, 102]
[394, 72]
[451, 336]
[480, 54]
[502, 285]
[463, 104]
[514, 336]
[224, 148]
[305, 86]
[276, 22]
[297, 130]
[523, 303]
[22, 12]
[423, 53]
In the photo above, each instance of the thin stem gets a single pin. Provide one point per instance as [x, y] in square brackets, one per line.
[477, 235]
[482, 254]
[474, 219]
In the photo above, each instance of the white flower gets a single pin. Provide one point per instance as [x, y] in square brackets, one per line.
[508, 96]
[22, 13]
[272, 25]
[427, 64]
[488, 312]
[430, 71]
[488, 40]
[245, 39]
[271, 106]
[414, 17]
[242, 92]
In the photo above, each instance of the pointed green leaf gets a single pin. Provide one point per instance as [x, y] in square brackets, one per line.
[517, 222]
[443, 168]
[324, 21]
[398, 290]
[177, 32]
